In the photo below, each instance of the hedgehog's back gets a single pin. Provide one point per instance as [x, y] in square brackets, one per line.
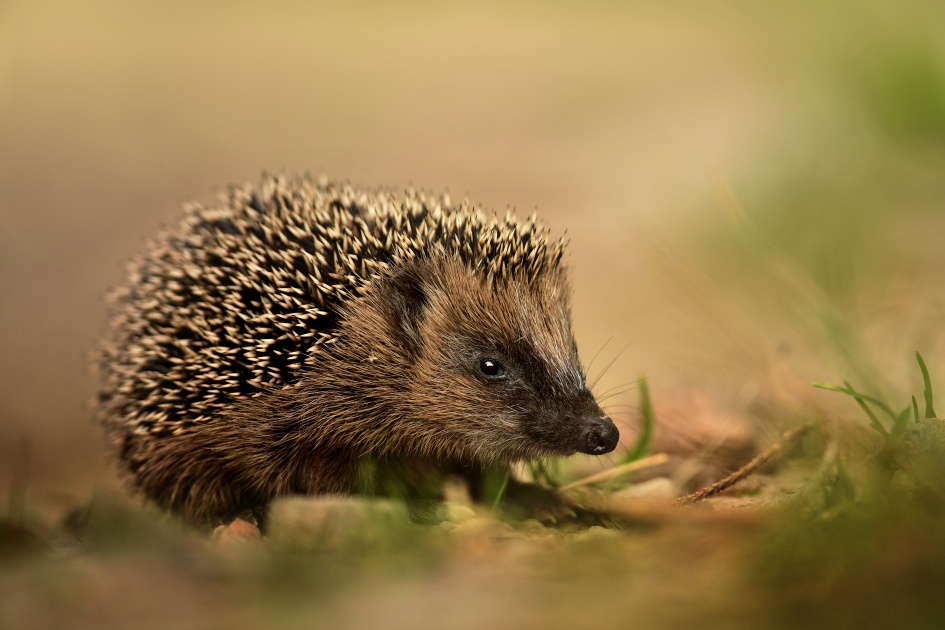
[241, 296]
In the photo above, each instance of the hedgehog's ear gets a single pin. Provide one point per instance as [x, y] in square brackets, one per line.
[406, 301]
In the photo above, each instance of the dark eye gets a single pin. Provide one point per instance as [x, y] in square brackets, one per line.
[491, 368]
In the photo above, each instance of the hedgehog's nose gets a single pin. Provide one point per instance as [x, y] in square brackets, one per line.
[600, 436]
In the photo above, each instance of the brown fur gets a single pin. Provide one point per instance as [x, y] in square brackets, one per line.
[397, 378]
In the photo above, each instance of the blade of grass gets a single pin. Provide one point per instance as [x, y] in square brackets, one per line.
[623, 469]
[544, 471]
[929, 411]
[861, 400]
[501, 492]
[902, 421]
[647, 421]
[872, 399]
[849, 391]
[874, 421]
[915, 410]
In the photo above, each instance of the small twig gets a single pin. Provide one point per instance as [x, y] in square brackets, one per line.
[612, 473]
[787, 439]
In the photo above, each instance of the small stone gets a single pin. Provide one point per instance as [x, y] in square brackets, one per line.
[659, 491]
[237, 531]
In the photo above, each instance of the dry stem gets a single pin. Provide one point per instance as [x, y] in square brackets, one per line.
[787, 439]
[612, 473]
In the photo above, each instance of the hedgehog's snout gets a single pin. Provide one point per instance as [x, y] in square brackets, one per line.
[599, 436]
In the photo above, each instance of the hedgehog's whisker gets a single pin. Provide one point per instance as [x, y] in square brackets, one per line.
[599, 350]
[610, 459]
[604, 399]
[608, 366]
[625, 386]
[619, 409]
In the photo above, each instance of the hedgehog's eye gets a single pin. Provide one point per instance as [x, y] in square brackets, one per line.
[491, 368]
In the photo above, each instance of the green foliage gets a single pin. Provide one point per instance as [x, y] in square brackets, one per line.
[896, 435]
[901, 81]
[545, 471]
[500, 491]
[899, 420]
[641, 447]
[929, 410]
[398, 478]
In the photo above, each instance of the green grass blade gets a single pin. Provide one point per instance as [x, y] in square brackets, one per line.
[545, 471]
[647, 421]
[929, 411]
[915, 410]
[874, 421]
[861, 400]
[902, 421]
[501, 492]
[849, 391]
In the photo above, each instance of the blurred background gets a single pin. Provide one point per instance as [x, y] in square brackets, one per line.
[753, 192]
[754, 198]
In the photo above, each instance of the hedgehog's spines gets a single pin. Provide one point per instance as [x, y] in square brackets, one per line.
[242, 296]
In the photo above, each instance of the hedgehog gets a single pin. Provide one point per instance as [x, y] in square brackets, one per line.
[274, 341]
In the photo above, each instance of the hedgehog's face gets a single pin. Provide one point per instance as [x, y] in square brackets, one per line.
[528, 405]
[495, 369]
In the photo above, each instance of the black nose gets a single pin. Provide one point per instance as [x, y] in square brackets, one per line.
[600, 436]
